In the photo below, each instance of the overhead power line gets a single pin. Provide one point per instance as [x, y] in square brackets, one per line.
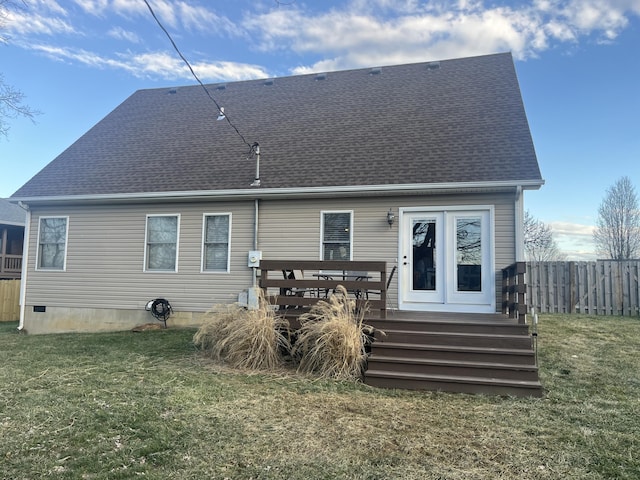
[220, 109]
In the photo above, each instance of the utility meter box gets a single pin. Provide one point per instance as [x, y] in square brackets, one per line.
[254, 258]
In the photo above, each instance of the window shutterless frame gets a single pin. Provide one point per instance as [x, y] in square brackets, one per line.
[336, 235]
[216, 243]
[161, 242]
[53, 236]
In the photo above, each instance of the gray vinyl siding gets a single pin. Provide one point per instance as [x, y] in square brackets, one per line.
[291, 229]
[106, 247]
[105, 259]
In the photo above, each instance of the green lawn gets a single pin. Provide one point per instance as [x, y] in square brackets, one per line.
[131, 405]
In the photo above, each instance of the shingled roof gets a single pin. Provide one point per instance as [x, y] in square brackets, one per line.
[447, 122]
[11, 214]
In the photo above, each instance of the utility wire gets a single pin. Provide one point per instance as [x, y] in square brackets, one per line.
[220, 109]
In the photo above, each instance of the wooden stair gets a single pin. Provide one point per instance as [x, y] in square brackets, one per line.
[487, 354]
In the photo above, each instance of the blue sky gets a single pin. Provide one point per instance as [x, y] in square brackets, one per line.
[577, 62]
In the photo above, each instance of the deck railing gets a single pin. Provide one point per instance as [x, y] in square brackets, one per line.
[320, 279]
[10, 266]
[514, 291]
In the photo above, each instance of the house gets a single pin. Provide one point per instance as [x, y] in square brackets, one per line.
[422, 166]
[12, 221]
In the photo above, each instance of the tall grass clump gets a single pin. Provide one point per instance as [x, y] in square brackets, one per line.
[331, 341]
[243, 338]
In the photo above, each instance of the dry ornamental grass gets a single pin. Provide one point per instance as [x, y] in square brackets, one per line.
[243, 338]
[331, 341]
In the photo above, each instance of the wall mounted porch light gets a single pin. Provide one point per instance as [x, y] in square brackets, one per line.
[390, 218]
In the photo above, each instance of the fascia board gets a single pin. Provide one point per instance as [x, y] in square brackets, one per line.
[264, 193]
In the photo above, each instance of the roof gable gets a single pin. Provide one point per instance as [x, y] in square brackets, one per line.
[428, 123]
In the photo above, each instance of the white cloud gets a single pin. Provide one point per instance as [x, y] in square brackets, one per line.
[93, 7]
[205, 20]
[382, 32]
[120, 33]
[158, 65]
[173, 14]
[231, 71]
[123, 8]
[356, 33]
[27, 23]
[575, 240]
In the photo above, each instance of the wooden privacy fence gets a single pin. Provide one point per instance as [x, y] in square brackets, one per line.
[9, 300]
[604, 287]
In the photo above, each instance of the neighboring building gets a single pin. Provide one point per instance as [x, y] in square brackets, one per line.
[12, 221]
[159, 199]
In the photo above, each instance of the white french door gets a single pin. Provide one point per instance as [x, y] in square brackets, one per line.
[447, 260]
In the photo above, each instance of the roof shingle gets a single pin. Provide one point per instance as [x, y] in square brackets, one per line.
[409, 124]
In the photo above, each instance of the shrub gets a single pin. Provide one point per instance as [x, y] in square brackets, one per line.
[331, 341]
[242, 338]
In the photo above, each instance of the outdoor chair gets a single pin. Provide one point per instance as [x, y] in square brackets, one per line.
[294, 291]
[356, 276]
[377, 292]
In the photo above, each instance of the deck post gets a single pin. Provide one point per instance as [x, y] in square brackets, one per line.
[514, 291]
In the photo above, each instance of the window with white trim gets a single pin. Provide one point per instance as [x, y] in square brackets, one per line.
[216, 242]
[52, 243]
[336, 236]
[161, 243]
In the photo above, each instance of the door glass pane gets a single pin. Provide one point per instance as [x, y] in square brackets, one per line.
[424, 254]
[469, 254]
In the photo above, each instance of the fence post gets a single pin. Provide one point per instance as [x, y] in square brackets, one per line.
[572, 287]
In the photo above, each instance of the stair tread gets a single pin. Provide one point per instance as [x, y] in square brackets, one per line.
[452, 320]
[460, 363]
[429, 346]
[458, 334]
[453, 378]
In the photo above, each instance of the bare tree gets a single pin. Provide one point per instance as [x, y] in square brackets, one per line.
[617, 233]
[11, 99]
[539, 244]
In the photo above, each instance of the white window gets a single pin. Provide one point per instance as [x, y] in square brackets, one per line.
[161, 243]
[52, 243]
[337, 236]
[216, 242]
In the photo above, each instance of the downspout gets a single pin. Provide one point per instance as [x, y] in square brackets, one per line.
[25, 261]
[256, 183]
[519, 221]
[256, 203]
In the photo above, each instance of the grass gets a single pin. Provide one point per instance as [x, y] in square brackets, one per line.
[131, 405]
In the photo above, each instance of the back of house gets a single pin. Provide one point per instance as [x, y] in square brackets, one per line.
[421, 166]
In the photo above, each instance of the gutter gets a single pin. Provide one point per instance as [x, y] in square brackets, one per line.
[296, 192]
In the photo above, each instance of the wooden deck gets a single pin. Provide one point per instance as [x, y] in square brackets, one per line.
[469, 353]
[452, 352]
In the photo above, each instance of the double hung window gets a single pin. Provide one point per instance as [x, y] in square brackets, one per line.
[337, 236]
[52, 243]
[216, 242]
[162, 243]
